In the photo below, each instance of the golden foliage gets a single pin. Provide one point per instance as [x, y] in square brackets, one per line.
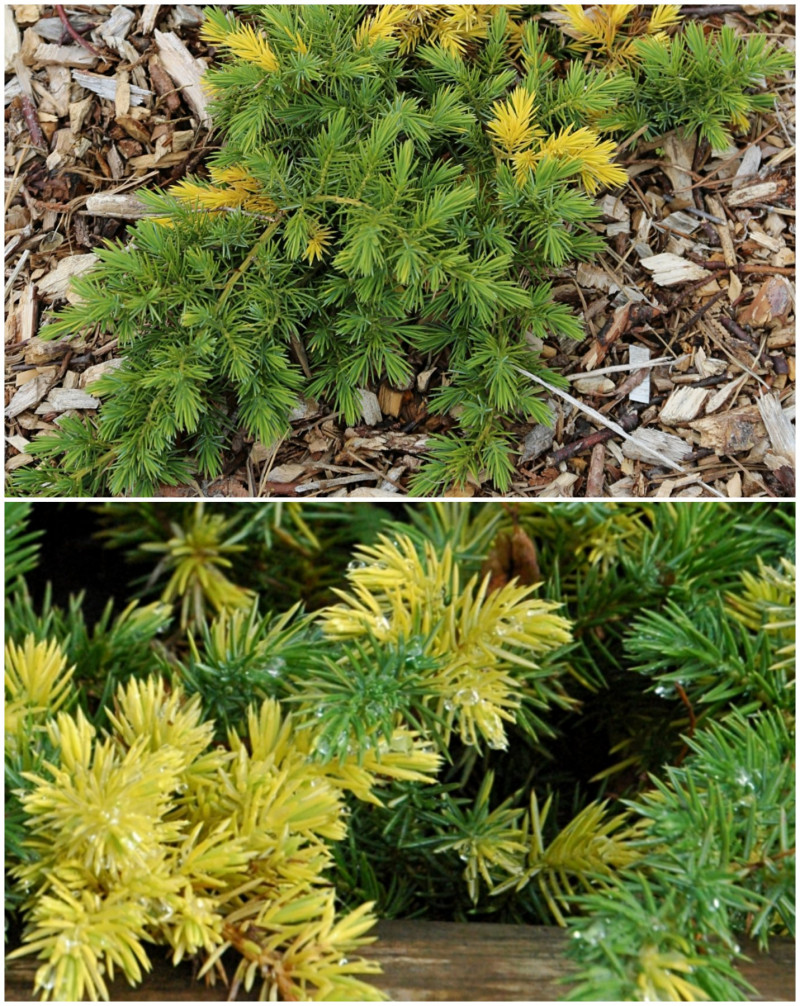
[478, 638]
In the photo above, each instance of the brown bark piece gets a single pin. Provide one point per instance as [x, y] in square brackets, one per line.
[773, 300]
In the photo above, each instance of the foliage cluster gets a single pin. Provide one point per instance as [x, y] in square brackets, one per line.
[393, 187]
[611, 749]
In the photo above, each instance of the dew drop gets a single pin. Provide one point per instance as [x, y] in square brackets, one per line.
[355, 564]
[276, 667]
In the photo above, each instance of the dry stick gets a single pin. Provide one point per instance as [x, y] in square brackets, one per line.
[29, 112]
[78, 38]
[628, 421]
[699, 314]
[600, 418]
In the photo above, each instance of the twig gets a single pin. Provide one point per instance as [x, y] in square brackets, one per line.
[628, 422]
[699, 314]
[621, 367]
[610, 424]
[32, 120]
[74, 34]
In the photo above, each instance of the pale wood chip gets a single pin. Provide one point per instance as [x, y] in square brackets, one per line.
[370, 408]
[593, 277]
[654, 446]
[94, 373]
[28, 396]
[681, 222]
[754, 193]
[748, 167]
[47, 54]
[669, 269]
[305, 409]
[289, 472]
[594, 385]
[106, 87]
[733, 487]
[39, 351]
[26, 313]
[683, 405]
[724, 395]
[561, 487]
[118, 24]
[56, 283]
[394, 474]
[148, 17]
[18, 442]
[61, 399]
[639, 356]
[424, 379]
[370, 492]
[732, 432]
[677, 166]
[723, 230]
[779, 429]
[117, 206]
[18, 461]
[186, 71]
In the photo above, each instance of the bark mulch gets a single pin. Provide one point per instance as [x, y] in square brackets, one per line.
[684, 386]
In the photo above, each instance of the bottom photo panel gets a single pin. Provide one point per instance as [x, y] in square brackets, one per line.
[338, 751]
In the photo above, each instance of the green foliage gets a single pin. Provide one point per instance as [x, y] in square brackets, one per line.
[612, 749]
[703, 84]
[21, 545]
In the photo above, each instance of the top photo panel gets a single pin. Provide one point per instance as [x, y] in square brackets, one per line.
[398, 250]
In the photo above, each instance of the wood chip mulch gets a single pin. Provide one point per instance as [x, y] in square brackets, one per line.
[684, 386]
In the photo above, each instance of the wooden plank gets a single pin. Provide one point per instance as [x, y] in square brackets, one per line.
[437, 962]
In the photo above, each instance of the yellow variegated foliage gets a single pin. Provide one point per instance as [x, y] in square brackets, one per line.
[451, 26]
[230, 188]
[196, 554]
[612, 29]
[478, 638]
[38, 683]
[150, 834]
[241, 41]
[767, 601]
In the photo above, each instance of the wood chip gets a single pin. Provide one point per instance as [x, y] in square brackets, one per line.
[677, 166]
[539, 440]
[773, 300]
[779, 428]
[27, 396]
[186, 71]
[669, 269]
[683, 405]
[561, 486]
[106, 87]
[56, 283]
[639, 356]
[92, 374]
[760, 193]
[748, 167]
[63, 55]
[117, 206]
[724, 395]
[289, 472]
[732, 432]
[370, 409]
[11, 38]
[61, 399]
[652, 446]
[390, 400]
[716, 208]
